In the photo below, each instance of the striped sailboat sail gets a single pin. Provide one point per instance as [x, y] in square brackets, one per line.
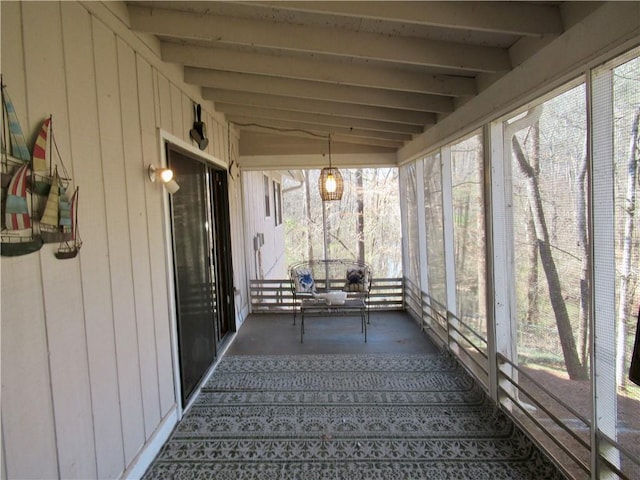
[49, 221]
[41, 176]
[17, 216]
[73, 210]
[55, 224]
[17, 235]
[64, 211]
[18, 145]
[40, 147]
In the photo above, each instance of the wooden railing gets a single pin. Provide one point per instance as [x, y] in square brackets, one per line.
[276, 296]
[525, 400]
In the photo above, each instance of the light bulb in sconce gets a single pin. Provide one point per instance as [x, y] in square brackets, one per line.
[330, 183]
[165, 175]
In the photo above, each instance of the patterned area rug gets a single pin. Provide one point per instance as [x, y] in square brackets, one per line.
[355, 417]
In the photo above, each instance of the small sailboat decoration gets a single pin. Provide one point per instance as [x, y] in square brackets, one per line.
[70, 246]
[59, 221]
[18, 235]
[55, 223]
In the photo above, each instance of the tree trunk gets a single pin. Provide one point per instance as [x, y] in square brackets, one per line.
[461, 268]
[532, 315]
[583, 241]
[575, 369]
[307, 205]
[625, 268]
[360, 215]
[533, 312]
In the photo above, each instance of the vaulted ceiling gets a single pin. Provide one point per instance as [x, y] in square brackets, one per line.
[371, 74]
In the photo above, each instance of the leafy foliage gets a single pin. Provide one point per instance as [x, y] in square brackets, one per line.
[381, 232]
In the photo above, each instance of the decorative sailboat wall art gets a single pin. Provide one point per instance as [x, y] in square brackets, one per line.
[18, 234]
[70, 245]
[35, 205]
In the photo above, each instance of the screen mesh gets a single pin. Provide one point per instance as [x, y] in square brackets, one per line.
[547, 147]
[435, 234]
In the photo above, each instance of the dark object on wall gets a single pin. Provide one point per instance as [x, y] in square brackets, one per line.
[634, 369]
[197, 133]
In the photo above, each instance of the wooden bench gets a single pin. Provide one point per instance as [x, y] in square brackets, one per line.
[311, 280]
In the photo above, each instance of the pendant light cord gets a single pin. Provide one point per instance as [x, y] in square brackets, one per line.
[299, 130]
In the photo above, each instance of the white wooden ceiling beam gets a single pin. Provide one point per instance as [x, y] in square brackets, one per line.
[319, 106]
[391, 78]
[319, 40]
[500, 17]
[284, 126]
[317, 90]
[316, 119]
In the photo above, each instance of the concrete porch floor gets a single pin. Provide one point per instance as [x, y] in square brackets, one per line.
[275, 334]
[282, 417]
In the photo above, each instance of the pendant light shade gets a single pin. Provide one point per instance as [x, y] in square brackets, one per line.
[331, 184]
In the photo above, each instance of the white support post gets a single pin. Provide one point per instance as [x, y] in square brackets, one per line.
[422, 235]
[603, 345]
[404, 222]
[449, 244]
[501, 327]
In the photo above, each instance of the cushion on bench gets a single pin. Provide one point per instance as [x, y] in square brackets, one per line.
[355, 280]
[304, 282]
[315, 276]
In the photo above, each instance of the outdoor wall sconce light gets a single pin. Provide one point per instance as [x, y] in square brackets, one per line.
[331, 183]
[164, 176]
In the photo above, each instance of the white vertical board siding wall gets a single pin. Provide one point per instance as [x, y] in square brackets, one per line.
[64, 317]
[139, 241]
[250, 227]
[96, 290]
[118, 243]
[154, 225]
[237, 226]
[280, 266]
[268, 262]
[25, 360]
[237, 248]
[87, 371]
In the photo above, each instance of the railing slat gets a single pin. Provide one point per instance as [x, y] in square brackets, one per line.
[275, 295]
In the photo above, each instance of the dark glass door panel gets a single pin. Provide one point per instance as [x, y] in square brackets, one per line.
[194, 278]
[222, 252]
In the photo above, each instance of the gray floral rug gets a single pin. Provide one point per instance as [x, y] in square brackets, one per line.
[346, 417]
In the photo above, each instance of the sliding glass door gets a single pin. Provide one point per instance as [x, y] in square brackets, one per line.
[202, 265]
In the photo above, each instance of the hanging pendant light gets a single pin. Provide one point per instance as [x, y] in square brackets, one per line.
[331, 183]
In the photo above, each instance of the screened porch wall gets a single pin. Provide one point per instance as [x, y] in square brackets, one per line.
[512, 213]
